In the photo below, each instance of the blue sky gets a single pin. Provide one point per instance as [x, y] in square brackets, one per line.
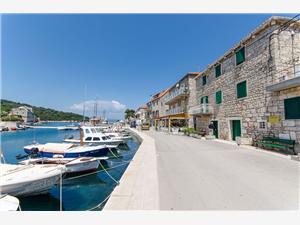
[47, 60]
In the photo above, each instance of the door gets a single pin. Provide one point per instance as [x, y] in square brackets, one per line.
[236, 129]
[216, 130]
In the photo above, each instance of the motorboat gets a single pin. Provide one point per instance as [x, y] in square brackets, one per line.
[9, 203]
[68, 150]
[94, 135]
[73, 165]
[26, 180]
[118, 136]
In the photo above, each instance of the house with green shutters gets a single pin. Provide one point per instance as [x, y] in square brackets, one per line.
[253, 90]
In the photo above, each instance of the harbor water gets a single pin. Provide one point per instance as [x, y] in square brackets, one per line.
[78, 193]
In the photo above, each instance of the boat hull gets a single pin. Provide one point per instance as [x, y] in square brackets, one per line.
[94, 153]
[30, 188]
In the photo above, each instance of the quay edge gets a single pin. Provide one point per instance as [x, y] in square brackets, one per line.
[138, 188]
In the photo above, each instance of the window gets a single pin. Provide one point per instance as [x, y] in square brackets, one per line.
[93, 130]
[292, 108]
[218, 97]
[218, 70]
[240, 56]
[87, 131]
[98, 130]
[88, 139]
[204, 80]
[104, 138]
[262, 125]
[241, 89]
[108, 137]
[96, 139]
[204, 100]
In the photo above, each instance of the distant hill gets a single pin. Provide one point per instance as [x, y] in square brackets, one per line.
[41, 112]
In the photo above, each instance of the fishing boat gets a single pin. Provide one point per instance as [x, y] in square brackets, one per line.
[9, 203]
[26, 180]
[68, 150]
[73, 165]
[94, 135]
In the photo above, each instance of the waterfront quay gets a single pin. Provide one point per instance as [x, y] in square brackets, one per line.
[195, 174]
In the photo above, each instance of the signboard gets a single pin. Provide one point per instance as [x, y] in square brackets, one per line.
[274, 119]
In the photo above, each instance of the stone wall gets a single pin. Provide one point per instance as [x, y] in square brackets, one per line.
[265, 59]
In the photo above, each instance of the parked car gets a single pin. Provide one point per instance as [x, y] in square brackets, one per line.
[145, 126]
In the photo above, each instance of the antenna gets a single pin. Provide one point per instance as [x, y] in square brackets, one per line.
[84, 104]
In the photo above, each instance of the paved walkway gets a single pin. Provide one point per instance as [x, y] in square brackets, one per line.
[197, 174]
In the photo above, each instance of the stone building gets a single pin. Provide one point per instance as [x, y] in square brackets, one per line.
[177, 101]
[142, 114]
[254, 89]
[157, 108]
[26, 113]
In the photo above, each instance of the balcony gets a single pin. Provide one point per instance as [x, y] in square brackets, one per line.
[289, 80]
[175, 95]
[201, 109]
[176, 110]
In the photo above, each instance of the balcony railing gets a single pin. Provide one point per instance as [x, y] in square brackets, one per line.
[176, 110]
[201, 109]
[287, 78]
[176, 93]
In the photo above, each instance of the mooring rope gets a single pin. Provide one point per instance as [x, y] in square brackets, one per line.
[98, 171]
[113, 153]
[97, 206]
[117, 182]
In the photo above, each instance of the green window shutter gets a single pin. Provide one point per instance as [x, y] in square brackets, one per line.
[241, 89]
[240, 56]
[218, 97]
[292, 108]
[201, 100]
[204, 80]
[218, 70]
[204, 100]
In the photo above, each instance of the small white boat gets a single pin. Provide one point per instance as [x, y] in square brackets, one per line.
[25, 180]
[73, 165]
[118, 136]
[94, 135]
[68, 128]
[9, 203]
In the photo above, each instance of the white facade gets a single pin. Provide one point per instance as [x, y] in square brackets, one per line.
[25, 112]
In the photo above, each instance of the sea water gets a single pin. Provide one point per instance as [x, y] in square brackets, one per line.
[82, 193]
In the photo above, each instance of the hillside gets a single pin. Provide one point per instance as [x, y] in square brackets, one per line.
[41, 112]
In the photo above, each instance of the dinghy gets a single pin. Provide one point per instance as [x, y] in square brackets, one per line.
[8, 203]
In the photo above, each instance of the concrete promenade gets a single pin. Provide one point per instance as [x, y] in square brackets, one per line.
[138, 189]
[199, 174]
[173, 172]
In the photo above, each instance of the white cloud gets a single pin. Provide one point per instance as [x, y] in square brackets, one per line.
[113, 109]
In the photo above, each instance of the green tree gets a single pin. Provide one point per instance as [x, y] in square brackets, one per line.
[129, 113]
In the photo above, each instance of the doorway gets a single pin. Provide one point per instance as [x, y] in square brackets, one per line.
[236, 129]
[216, 130]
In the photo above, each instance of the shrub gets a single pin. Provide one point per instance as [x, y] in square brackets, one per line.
[188, 130]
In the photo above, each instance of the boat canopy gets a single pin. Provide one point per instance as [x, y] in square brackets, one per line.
[56, 147]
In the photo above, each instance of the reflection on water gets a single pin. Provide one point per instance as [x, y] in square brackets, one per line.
[46, 202]
[78, 193]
